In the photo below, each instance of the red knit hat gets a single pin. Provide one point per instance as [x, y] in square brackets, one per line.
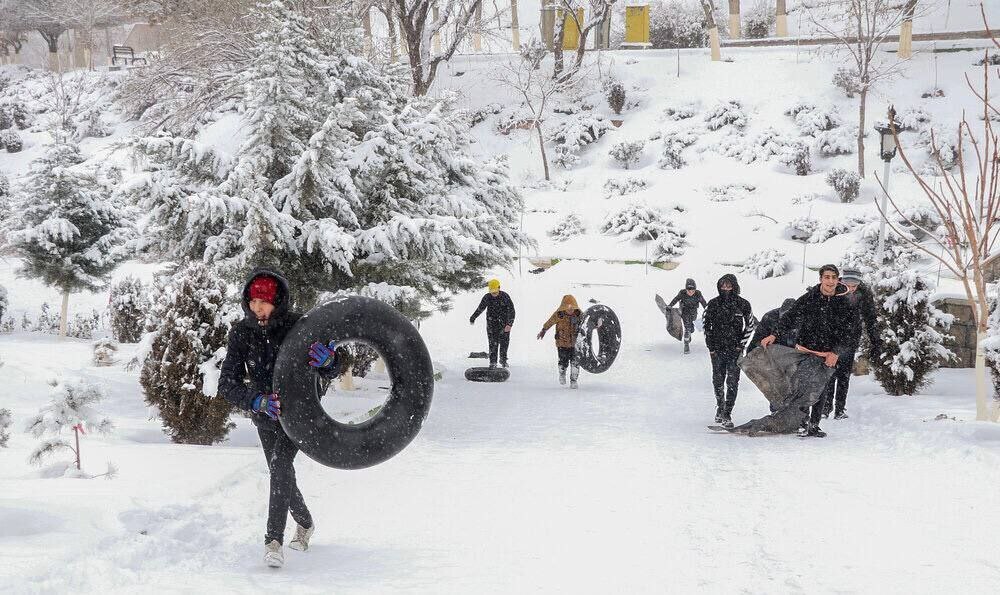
[264, 287]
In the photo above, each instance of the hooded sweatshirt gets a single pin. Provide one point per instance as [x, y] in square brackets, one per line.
[726, 318]
[567, 322]
[689, 303]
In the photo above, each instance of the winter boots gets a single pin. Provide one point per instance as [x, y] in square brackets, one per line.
[574, 374]
[718, 411]
[811, 430]
[302, 535]
[842, 414]
[273, 556]
[727, 418]
[562, 375]
[687, 346]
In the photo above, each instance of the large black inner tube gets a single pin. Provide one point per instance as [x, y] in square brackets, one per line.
[354, 446]
[484, 374]
[601, 319]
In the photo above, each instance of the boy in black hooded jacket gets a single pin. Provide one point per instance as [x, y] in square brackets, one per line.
[727, 318]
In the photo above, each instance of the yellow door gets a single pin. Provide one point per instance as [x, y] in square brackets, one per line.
[571, 37]
[637, 24]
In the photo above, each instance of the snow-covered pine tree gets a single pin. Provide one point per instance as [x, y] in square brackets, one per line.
[912, 348]
[5, 423]
[3, 301]
[73, 404]
[192, 325]
[67, 231]
[341, 181]
[128, 306]
[992, 347]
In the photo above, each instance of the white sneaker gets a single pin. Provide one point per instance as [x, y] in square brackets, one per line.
[562, 378]
[301, 540]
[273, 556]
[573, 384]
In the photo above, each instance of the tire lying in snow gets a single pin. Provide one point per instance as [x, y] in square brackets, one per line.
[486, 374]
[354, 446]
[602, 320]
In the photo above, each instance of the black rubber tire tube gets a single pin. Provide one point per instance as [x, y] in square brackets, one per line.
[485, 374]
[407, 361]
[603, 320]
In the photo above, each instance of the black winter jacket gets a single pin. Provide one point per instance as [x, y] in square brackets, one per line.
[727, 318]
[689, 303]
[823, 323]
[863, 316]
[768, 326]
[248, 369]
[499, 310]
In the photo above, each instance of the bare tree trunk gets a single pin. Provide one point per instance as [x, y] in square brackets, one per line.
[515, 31]
[366, 24]
[557, 46]
[541, 146]
[861, 129]
[734, 19]
[906, 31]
[781, 22]
[477, 35]
[63, 325]
[436, 41]
[390, 17]
[713, 30]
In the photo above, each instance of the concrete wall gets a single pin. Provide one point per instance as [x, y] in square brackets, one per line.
[962, 331]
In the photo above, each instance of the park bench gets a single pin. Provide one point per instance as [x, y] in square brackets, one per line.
[126, 54]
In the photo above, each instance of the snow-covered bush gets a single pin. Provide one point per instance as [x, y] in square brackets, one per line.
[11, 140]
[811, 118]
[624, 186]
[570, 226]
[768, 144]
[128, 307]
[842, 140]
[573, 134]
[5, 193]
[73, 404]
[730, 192]
[942, 149]
[992, 347]
[478, 116]
[674, 143]
[84, 325]
[5, 423]
[641, 223]
[759, 20]
[766, 263]
[105, 353]
[912, 348]
[814, 231]
[681, 111]
[726, 113]
[912, 118]
[615, 94]
[677, 24]
[847, 184]
[628, 152]
[3, 301]
[847, 80]
[48, 322]
[192, 329]
[795, 155]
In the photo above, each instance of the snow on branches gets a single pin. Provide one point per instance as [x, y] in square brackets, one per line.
[73, 407]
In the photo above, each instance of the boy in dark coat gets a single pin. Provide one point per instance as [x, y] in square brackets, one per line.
[246, 382]
[499, 321]
[768, 325]
[862, 317]
[727, 319]
[690, 298]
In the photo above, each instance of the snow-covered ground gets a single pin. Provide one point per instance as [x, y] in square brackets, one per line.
[525, 486]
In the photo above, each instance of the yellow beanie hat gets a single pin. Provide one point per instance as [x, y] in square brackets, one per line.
[493, 284]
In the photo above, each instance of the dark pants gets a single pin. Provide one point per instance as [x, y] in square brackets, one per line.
[726, 375]
[567, 359]
[499, 340]
[285, 496]
[836, 390]
[688, 325]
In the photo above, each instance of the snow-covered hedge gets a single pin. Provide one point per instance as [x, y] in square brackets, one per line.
[641, 223]
[814, 230]
[624, 186]
[628, 152]
[726, 113]
[730, 192]
[913, 118]
[811, 118]
[570, 226]
[574, 133]
[674, 143]
[766, 263]
[681, 111]
[847, 184]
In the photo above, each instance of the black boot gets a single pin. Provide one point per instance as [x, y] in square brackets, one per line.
[687, 347]
[811, 430]
[718, 411]
[727, 415]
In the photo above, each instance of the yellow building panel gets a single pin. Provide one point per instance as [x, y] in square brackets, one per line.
[637, 25]
[571, 35]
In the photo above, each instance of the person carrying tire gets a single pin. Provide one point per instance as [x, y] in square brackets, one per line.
[690, 298]
[567, 322]
[727, 319]
[499, 321]
[246, 381]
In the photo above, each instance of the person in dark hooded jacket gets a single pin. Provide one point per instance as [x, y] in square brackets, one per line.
[862, 318]
[768, 325]
[690, 298]
[246, 381]
[727, 319]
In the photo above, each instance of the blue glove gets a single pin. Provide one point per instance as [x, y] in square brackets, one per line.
[269, 405]
[322, 356]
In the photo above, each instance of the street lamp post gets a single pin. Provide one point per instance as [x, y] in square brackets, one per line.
[887, 150]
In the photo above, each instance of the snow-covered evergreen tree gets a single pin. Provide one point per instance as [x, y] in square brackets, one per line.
[67, 231]
[340, 181]
[3, 301]
[5, 423]
[912, 347]
[766, 263]
[570, 226]
[128, 306]
[73, 404]
[192, 325]
[627, 153]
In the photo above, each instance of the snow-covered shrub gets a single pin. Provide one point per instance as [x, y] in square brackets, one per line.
[677, 24]
[769, 143]
[105, 353]
[5, 423]
[128, 307]
[84, 325]
[814, 231]
[847, 80]
[766, 263]
[641, 223]
[759, 20]
[811, 118]
[942, 149]
[845, 183]
[681, 111]
[6, 120]
[615, 94]
[912, 118]
[11, 140]
[192, 329]
[912, 348]
[624, 186]
[838, 141]
[573, 134]
[5, 192]
[730, 192]
[796, 156]
[478, 116]
[991, 346]
[73, 404]
[726, 113]
[674, 143]
[48, 322]
[570, 226]
[3, 301]
[628, 152]
[993, 58]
